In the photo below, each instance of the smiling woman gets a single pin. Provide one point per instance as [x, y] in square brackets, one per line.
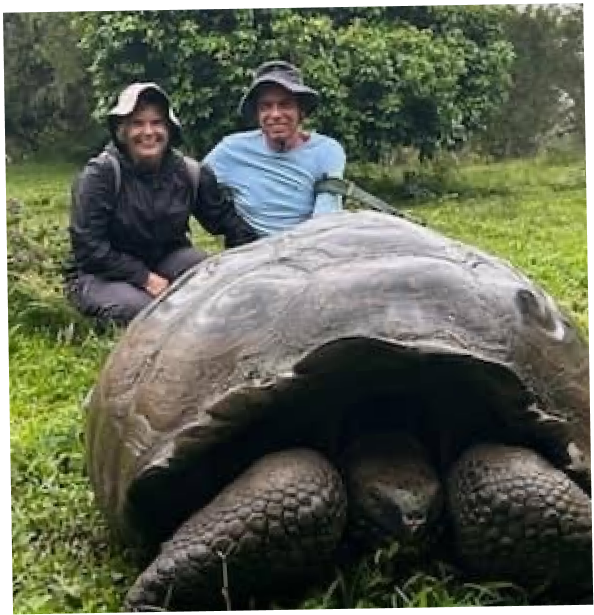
[131, 207]
[143, 123]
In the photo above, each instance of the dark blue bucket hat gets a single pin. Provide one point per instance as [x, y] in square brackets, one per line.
[147, 92]
[281, 73]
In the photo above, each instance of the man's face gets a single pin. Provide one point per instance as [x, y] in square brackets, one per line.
[279, 114]
[146, 134]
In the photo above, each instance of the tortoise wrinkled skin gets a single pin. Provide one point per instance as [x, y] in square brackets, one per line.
[300, 343]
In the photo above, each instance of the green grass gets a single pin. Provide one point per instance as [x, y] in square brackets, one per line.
[532, 213]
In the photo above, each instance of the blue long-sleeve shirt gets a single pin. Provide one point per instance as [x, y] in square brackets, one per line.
[274, 191]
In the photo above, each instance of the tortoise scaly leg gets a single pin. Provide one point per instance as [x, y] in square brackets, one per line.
[517, 517]
[280, 519]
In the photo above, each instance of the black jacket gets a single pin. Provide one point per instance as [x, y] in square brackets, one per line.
[123, 236]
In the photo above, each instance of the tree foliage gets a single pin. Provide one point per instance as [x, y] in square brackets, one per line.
[571, 60]
[547, 97]
[46, 87]
[420, 76]
[424, 76]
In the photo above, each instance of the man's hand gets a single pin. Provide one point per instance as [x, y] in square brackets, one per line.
[155, 284]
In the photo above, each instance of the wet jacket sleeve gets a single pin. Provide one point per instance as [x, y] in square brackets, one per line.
[93, 205]
[215, 210]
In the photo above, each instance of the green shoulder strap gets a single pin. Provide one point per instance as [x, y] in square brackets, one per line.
[348, 189]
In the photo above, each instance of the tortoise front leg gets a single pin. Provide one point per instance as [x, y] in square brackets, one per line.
[515, 516]
[281, 518]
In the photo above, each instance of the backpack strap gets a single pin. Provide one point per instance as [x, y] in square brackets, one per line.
[115, 165]
[193, 167]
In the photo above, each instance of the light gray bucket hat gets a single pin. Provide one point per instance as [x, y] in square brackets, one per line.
[280, 73]
[149, 92]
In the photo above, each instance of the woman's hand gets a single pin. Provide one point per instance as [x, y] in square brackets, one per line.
[155, 284]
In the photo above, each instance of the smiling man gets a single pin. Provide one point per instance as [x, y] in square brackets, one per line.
[272, 170]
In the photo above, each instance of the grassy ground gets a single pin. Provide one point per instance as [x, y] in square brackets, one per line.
[531, 213]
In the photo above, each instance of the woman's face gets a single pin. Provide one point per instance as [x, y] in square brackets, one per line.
[145, 134]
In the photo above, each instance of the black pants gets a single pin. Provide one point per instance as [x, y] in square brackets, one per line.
[120, 302]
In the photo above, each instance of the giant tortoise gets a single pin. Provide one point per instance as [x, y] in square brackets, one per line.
[359, 374]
